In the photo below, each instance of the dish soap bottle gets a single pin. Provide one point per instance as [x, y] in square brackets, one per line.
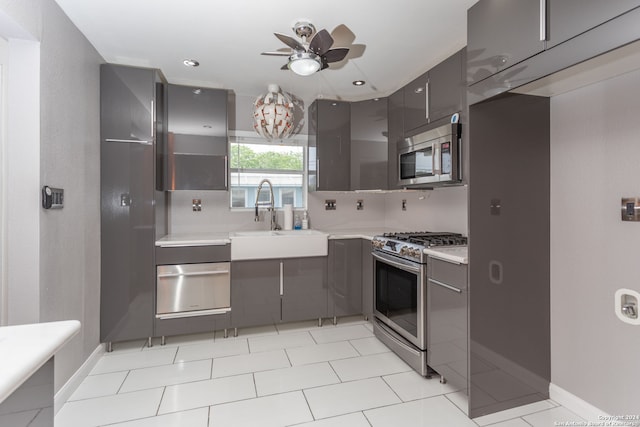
[297, 224]
[305, 221]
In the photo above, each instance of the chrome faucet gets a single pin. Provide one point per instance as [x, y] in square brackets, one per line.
[271, 205]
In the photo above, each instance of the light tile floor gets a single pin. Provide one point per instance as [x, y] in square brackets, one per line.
[282, 375]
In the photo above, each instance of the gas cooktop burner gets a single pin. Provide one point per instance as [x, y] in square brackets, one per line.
[410, 245]
[428, 239]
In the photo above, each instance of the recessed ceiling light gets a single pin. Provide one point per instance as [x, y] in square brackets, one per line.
[334, 104]
[190, 62]
[197, 91]
[358, 82]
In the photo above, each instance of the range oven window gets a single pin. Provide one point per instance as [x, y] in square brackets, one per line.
[397, 296]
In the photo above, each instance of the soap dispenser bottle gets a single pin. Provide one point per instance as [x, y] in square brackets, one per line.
[297, 224]
[305, 221]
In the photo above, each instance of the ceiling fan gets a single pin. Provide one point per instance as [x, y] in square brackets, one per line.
[314, 53]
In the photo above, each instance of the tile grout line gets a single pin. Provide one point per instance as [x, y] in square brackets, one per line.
[164, 389]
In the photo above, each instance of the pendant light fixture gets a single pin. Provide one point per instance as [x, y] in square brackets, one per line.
[273, 114]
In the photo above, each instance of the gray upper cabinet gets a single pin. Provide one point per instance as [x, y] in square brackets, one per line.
[415, 109]
[197, 153]
[569, 18]
[329, 145]
[501, 34]
[446, 85]
[369, 144]
[127, 103]
[395, 105]
[434, 95]
[345, 277]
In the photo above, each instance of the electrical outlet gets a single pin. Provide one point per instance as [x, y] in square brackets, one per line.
[330, 205]
[197, 205]
[360, 205]
[404, 204]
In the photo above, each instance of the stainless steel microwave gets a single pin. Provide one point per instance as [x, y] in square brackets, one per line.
[431, 158]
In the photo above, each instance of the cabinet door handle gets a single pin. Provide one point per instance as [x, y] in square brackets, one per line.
[153, 121]
[426, 102]
[129, 141]
[281, 279]
[197, 273]
[543, 20]
[226, 172]
[444, 285]
[317, 173]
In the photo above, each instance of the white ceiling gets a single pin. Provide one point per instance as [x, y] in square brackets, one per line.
[401, 38]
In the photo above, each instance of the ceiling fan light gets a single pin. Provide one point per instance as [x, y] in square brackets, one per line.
[304, 64]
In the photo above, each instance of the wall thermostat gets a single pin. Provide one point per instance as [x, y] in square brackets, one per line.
[52, 198]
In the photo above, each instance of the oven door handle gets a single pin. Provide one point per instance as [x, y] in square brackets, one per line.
[402, 265]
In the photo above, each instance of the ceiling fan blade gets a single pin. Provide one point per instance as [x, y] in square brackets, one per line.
[276, 53]
[321, 42]
[335, 55]
[290, 41]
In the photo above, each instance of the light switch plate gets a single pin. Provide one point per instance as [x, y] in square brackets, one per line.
[630, 209]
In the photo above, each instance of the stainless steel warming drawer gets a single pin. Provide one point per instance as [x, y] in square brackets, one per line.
[186, 290]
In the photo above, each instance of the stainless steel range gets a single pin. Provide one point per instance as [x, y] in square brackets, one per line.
[400, 294]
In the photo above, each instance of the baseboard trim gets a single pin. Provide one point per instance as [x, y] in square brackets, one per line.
[72, 384]
[575, 404]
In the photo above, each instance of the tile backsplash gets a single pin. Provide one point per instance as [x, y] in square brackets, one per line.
[443, 209]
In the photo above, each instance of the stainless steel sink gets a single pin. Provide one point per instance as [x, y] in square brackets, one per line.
[277, 244]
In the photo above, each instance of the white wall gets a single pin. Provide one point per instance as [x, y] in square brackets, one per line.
[595, 161]
[62, 150]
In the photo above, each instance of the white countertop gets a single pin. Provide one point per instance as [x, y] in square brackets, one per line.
[354, 234]
[194, 239]
[459, 254]
[25, 348]
[222, 238]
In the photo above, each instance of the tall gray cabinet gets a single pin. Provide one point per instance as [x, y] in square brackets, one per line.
[509, 258]
[133, 207]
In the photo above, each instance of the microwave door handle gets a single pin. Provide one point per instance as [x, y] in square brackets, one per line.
[436, 152]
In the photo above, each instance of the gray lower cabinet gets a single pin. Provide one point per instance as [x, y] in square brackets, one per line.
[447, 330]
[255, 293]
[345, 277]
[367, 278]
[304, 288]
[264, 292]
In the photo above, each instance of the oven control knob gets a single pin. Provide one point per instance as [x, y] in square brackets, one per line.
[404, 250]
[415, 253]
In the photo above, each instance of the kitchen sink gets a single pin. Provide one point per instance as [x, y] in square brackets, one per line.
[277, 244]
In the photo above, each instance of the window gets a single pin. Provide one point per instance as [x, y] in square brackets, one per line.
[253, 159]
[239, 198]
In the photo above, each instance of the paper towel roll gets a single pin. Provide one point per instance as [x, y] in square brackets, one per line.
[288, 217]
